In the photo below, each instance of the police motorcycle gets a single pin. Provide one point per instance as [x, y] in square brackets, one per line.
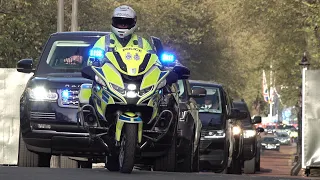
[132, 106]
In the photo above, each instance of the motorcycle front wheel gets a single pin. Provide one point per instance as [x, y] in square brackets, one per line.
[128, 147]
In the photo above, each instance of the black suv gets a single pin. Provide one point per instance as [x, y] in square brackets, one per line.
[252, 139]
[49, 103]
[221, 135]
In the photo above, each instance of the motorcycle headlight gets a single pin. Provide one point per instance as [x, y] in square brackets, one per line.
[249, 133]
[100, 81]
[145, 90]
[42, 94]
[236, 130]
[118, 89]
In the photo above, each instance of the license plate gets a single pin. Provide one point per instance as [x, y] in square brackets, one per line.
[270, 146]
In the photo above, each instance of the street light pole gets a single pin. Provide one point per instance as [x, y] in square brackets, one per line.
[74, 16]
[304, 63]
[60, 19]
[295, 170]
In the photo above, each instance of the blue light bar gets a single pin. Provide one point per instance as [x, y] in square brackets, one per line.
[167, 58]
[96, 52]
[65, 94]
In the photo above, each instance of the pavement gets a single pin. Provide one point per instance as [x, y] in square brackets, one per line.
[274, 165]
[19, 173]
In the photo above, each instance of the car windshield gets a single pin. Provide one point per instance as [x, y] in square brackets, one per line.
[60, 48]
[269, 140]
[283, 135]
[243, 108]
[212, 102]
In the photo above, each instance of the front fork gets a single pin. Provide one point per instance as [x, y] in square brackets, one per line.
[128, 117]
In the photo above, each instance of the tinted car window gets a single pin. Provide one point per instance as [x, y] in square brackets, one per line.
[212, 102]
[269, 139]
[243, 107]
[59, 48]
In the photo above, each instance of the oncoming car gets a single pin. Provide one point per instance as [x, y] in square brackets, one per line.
[221, 136]
[270, 143]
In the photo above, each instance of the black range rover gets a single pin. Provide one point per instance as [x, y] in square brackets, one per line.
[49, 103]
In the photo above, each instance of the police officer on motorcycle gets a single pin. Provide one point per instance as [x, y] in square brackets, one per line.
[124, 23]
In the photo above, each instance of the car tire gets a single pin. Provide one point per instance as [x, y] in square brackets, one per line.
[27, 158]
[235, 166]
[168, 162]
[187, 164]
[250, 166]
[258, 161]
[196, 159]
[112, 163]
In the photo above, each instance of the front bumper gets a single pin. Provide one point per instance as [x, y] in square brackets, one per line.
[65, 143]
[213, 153]
[272, 147]
[48, 127]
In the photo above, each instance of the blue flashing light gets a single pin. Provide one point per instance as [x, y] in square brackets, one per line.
[167, 58]
[65, 94]
[96, 52]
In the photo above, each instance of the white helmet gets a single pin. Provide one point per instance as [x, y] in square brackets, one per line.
[124, 20]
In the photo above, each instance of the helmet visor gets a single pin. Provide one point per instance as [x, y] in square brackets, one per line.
[123, 23]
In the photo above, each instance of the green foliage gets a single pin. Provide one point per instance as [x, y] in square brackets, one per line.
[229, 42]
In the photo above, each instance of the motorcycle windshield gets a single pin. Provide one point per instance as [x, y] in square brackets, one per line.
[132, 61]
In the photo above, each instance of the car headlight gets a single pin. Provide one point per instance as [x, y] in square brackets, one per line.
[263, 144]
[214, 134]
[236, 130]
[100, 81]
[277, 144]
[42, 94]
[249, 133]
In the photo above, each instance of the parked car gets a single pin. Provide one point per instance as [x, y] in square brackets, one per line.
[270, 143]
[283, 137]
[252, 139]
[189, 127]
[221, 138]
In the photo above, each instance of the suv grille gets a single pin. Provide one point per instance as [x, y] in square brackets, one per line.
[72, 99]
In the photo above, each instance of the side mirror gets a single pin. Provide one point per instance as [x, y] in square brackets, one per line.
[157, 45]
[88, 73]
[260, 129]
[182, 71]
[25, 66]
[198, 92]
[256, 120]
